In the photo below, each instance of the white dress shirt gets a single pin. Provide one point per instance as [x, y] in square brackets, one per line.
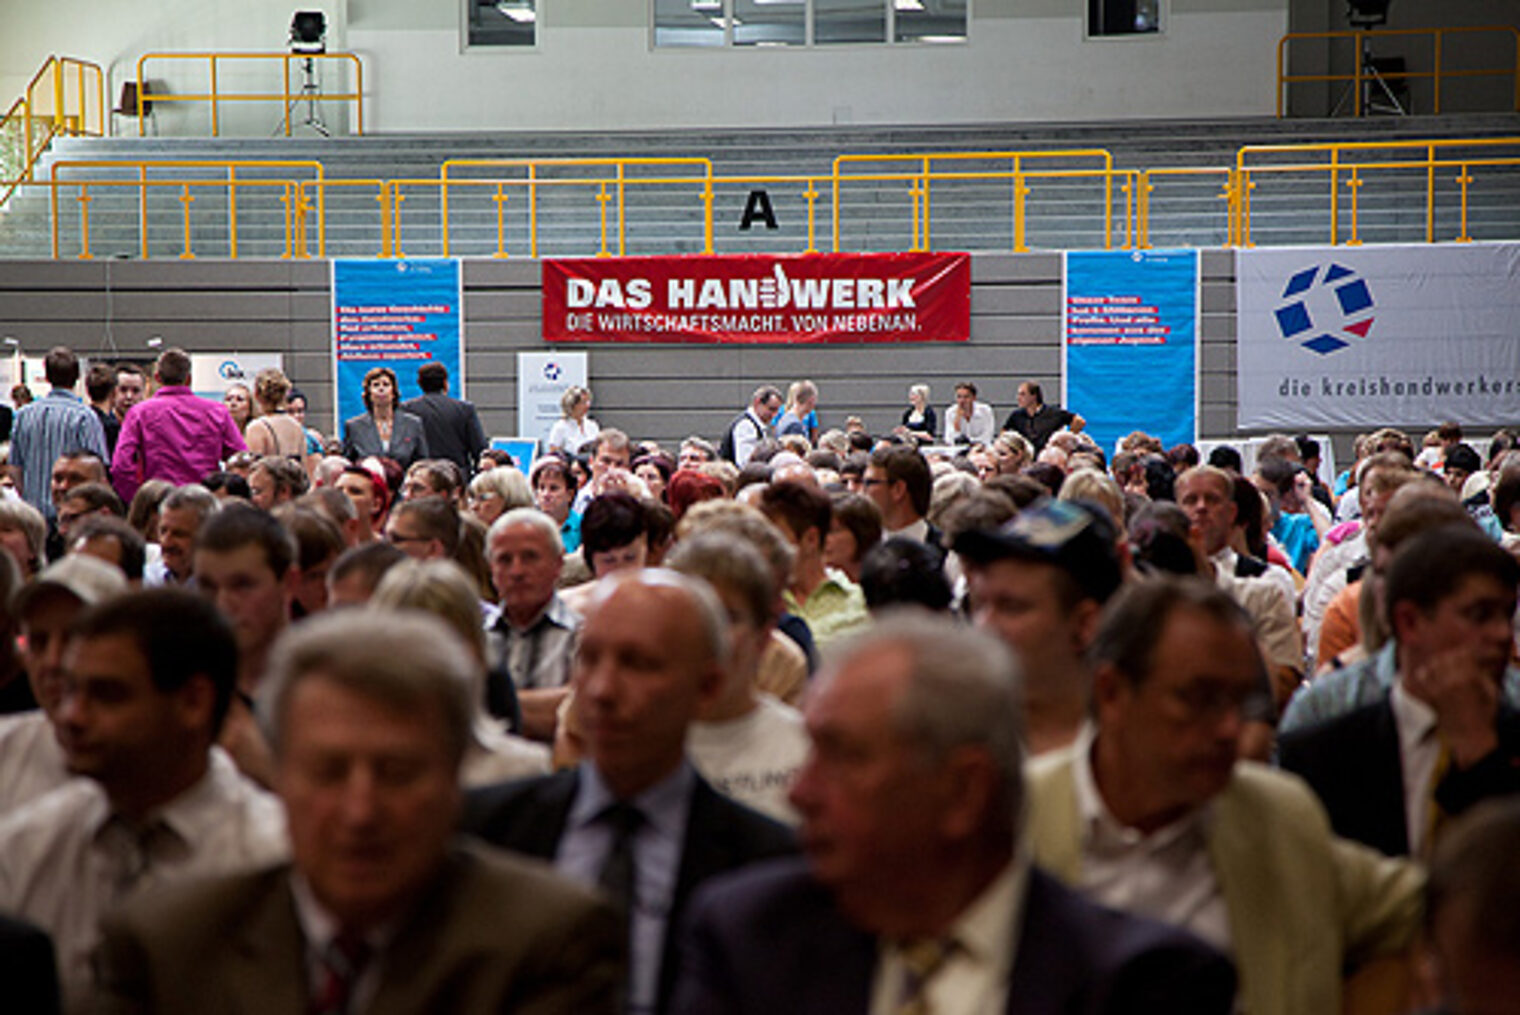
[31, 762]
[1166, 875]
[64, 856]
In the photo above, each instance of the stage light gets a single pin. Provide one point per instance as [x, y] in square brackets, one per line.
[308, 32]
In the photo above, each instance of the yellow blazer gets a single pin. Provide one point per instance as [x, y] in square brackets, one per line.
[1304, 906]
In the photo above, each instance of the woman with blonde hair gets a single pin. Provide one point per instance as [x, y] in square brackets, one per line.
[441, 587]
[493, 493]
[239, 403]
[918, 420]
[273, 430]
[575, 427]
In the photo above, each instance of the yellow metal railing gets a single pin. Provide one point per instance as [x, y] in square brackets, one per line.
[1146, 185]
[465, 188]
[920, 181]
[1348, 164]
[292, 196]
[65, 97]
[286, 97]
[1438, 74]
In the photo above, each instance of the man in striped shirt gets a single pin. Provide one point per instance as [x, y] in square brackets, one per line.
[58, 422]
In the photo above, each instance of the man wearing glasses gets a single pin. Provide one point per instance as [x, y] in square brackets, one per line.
[1151, 812]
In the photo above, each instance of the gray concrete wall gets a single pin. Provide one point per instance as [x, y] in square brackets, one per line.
[112, 308]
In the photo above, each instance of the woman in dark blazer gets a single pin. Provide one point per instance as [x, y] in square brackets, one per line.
[384, 430]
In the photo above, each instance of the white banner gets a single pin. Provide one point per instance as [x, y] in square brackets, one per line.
[211, 374]
[542, 379]
[1374, 336]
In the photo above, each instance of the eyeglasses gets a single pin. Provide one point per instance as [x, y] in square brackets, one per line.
[397, 538]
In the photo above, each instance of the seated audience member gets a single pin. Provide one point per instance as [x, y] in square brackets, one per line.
[831, 604]
[634, 817]
[370, 716]
[432, 477]
[898, 480]
[442, 588]
[614, 534]
[1151, 811]
[275, 480]
[497, 491]
[968, 421]
[1472, 913]
[23, 534]
[84, 501]
[1415, 509]
[112, 540]
[371, 495]
[424, 528]
[1441, 739]
[747, 743]
[1301, 521]
[533, 637]
[904, 572]
[245, 563]
[356, 572]
[791, 656]
[334, 505]
[148, 677]
[1039, 583]
[854, 529]
[553, 483]
[227, 485]
[180, 516]
[31, 759]
[319, 543]
[915, 894]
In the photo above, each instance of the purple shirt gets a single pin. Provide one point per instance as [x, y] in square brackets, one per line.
[175, 435]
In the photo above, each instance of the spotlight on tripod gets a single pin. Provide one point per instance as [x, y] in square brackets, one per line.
[308, 36]
[1376, 95]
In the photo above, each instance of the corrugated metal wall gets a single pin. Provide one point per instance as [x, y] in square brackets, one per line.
[111, 308]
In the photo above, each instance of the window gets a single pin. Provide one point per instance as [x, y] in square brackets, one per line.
[502, 23]
[756, 23]
[1123, 17]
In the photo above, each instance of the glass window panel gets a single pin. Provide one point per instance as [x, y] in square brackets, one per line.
[845, 21]
[930, 20]
[503, 22]
[770, 22]
[1123, 17]
[688, 22]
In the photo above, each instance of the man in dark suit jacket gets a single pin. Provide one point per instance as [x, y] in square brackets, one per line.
[1449, 599]
[910, 805]
[650, 655]
[27, 968]
[379, 909]
[452, 426]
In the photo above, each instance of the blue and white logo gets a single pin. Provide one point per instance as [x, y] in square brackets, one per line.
[1324, 308]
[553, 371]
[231, 371]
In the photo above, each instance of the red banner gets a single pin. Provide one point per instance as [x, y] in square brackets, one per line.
[908, 297]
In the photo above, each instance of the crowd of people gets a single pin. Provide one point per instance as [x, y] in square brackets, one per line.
[788, 718]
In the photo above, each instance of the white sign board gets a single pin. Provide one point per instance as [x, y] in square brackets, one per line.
[1375, 336]
[542, 379]
[211, 374]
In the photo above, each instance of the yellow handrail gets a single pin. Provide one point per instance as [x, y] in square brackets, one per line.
[920, 181]
[1145, 186]
[67, 111]
[292, 197]
[1347, 157]
[285, 97]
[1358, 76]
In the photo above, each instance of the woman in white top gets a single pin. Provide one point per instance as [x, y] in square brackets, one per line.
[575, 427]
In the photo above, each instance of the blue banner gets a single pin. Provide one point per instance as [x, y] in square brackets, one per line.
[1130, 343]
[396, 314]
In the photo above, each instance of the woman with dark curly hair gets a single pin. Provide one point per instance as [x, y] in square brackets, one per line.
[384, 430]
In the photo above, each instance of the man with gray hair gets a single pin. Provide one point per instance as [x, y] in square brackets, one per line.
[1151, 812]
[180, 516]
[370, 717]
[533, 636]
[914, 895]
[635, 818]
